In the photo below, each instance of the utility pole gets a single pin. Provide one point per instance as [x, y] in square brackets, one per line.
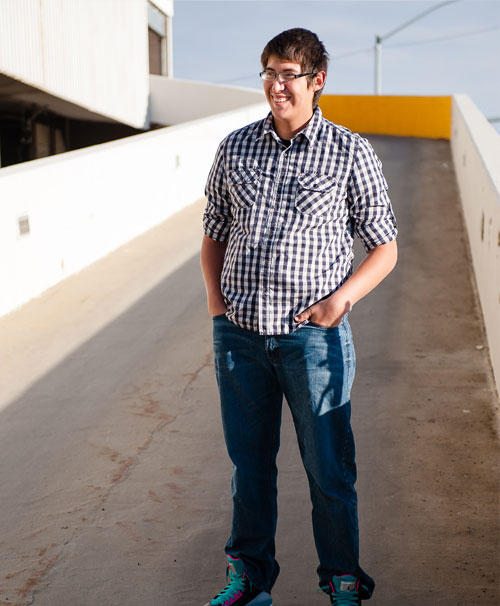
[380, 39]
[378, 65]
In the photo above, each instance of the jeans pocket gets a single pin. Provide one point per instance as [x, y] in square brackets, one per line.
[313, 325]
[216, 317]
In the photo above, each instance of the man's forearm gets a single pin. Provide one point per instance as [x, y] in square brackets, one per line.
[377, 264]
[212, 260]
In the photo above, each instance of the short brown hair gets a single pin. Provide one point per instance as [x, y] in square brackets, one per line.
[299, 46]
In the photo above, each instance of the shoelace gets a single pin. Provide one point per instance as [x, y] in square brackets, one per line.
[345, 600]
[236, 585]
[350, 599]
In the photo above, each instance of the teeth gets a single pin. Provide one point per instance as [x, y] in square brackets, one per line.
[281, 100]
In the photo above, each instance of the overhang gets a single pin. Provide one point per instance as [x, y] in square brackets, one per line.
[15, 96]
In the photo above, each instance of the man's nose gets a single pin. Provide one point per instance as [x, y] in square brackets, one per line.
[277, 85]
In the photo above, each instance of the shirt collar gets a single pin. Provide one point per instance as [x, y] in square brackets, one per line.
[310, 132]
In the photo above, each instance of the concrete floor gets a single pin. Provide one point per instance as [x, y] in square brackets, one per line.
[114, 476]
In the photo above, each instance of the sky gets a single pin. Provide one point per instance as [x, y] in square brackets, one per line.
[454, 49]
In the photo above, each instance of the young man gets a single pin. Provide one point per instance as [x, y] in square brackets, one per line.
[285, 197]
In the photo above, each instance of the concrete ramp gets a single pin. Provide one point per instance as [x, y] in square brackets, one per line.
[114, 476]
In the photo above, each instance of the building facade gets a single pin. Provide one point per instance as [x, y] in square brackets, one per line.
[75, 73]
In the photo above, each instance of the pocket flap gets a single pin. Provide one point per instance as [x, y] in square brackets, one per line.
[316, 182]
[242, 175]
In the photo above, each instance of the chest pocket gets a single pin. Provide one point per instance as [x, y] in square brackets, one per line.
[243, 185]
[316, 194]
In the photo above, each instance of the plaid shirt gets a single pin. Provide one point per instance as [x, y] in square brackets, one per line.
[289, 215]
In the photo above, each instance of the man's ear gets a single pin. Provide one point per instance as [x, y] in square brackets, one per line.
[319, 80]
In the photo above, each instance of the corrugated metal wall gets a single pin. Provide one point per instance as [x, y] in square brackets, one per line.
[91, 52]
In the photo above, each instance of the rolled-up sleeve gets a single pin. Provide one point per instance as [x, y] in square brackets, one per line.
[370, 207]
[217, 216]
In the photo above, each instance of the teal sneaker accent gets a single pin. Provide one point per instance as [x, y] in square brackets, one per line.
[239, 591]
[344, 591]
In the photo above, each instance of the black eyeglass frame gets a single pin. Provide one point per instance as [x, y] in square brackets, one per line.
[290, 77]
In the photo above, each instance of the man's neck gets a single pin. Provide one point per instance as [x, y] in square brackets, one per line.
[287, 130]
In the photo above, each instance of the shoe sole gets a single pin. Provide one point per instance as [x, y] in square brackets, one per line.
[263, 599]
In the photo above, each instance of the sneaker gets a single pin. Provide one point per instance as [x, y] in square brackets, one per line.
[239, 591]
[344, 591]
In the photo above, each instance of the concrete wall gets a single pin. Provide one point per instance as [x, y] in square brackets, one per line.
[175, 101]
[476, 154]
[81, 205]
[94, 54]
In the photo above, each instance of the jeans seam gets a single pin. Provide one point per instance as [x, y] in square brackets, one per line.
[348, 435]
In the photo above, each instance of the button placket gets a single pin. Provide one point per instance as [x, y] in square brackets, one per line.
[268, 240]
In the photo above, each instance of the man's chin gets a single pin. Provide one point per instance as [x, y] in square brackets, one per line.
[281, 111]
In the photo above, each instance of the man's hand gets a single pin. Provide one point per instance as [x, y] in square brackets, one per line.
[328, 312]
[377, 264]
[216, 308]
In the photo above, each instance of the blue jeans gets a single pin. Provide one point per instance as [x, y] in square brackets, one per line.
[313, 368]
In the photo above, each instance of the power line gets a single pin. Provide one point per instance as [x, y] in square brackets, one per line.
[416, 18]
[452, 37]
[380, 39]
[352, 53]
[415, 42]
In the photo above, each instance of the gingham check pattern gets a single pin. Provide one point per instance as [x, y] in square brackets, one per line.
[289, 215]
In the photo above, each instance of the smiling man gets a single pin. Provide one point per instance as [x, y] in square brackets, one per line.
[286, 195]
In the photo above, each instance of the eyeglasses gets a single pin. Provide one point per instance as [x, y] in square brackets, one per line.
[283, 77]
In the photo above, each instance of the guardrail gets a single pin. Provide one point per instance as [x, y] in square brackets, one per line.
[175, 101]
[59, 214]
[475, 146]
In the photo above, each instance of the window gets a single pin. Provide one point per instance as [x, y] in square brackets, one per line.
[157, 35]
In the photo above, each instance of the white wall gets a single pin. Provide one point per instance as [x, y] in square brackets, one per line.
[83, 204]
[92, 53]
[175, 101]
[476, 154]
[166, 6]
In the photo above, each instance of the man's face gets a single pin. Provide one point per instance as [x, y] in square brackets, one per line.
[290, 101]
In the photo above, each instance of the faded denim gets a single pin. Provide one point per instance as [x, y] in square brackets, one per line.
[313, 368]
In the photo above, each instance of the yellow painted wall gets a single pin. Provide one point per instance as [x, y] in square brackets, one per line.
[386, 115]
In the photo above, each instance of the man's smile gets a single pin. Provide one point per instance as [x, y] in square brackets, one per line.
[280, 99]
